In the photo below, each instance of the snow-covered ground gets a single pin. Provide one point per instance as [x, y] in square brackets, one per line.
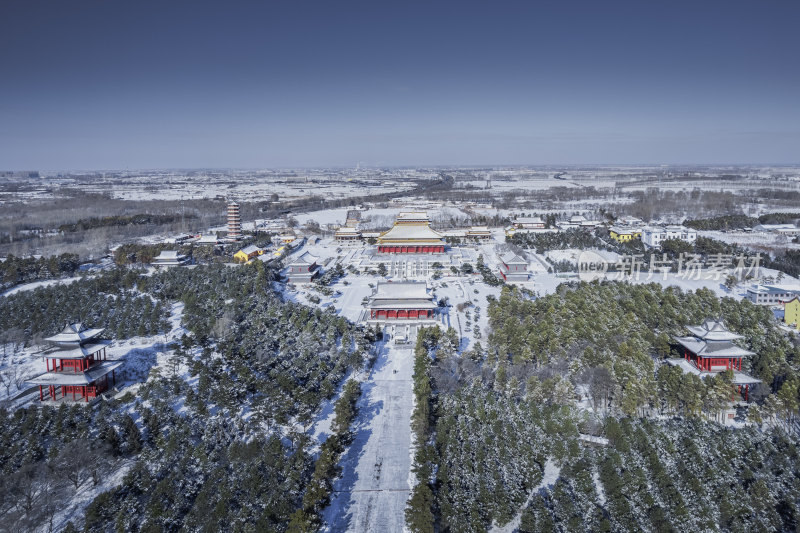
[758, 239]
[572, 255]
[371, 494]
[36, 284]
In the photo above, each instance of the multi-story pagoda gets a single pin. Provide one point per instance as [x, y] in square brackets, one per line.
[711, 350]
[77, 365]
[234, 221]
[411, 234]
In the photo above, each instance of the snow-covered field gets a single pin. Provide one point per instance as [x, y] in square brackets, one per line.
[752, 239]
[371, 494]
[36, 284]
[571, 255]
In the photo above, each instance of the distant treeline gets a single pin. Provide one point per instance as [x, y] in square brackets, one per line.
[140, 219]
[741, 221]
[15, 270]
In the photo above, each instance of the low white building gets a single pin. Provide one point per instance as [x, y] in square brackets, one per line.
[628, 220]
[654, 236]
[772, 294]
[528, 223]
[578, 221]
[780, 229]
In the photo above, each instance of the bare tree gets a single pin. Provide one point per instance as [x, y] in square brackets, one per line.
[601, 385]
[74, 462]
[223, 324]
[20, 377]
[8, 378]
[28, 485]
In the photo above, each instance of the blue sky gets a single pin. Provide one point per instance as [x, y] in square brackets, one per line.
[106, 84]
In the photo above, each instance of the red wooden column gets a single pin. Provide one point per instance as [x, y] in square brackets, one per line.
[41, 396]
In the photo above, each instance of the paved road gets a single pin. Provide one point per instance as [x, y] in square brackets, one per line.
[372, 492]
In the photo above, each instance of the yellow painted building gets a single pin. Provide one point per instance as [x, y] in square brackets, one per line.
[624, 234]
[248, 253]
[791, 312]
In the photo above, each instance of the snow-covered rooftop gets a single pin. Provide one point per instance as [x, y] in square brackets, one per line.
[407, 232]
[529, 220]
[347, 231]
[76, 378]
[739, 378]
[250, 249]
[713, 330]
[207, 239]
[412, 216]
[510, 258]
[624, 230]
[167, 255]
[402, 289]
[712, 349]
[78, 352]
[304, 259]
[74, 334]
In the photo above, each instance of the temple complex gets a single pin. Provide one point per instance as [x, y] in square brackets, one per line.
[411, 234]
[77, 365]
[710, 350]
[405, 300]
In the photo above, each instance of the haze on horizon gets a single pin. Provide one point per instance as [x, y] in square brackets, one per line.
[300, 84]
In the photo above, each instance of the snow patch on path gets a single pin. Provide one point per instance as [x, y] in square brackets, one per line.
[36, 284]
[598, 486]
[551, 473]
[372, 492]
